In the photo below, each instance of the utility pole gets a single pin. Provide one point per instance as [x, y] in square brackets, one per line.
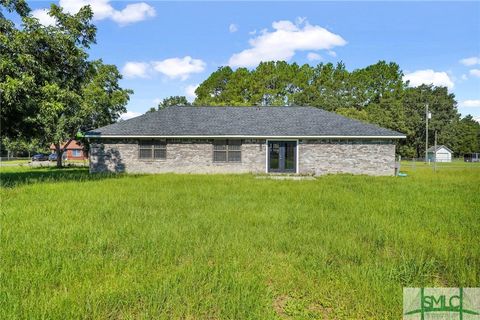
[428, 115]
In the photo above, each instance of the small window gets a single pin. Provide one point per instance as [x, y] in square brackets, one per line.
[76, 153]
[152, 150]
[227, 151]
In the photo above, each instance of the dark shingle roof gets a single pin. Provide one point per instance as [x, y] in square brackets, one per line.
[243, 121]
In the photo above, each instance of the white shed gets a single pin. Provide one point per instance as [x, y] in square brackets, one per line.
[441, 154]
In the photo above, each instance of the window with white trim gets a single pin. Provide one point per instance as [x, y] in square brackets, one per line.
[152, 150]
[76, 153]
[227, 151]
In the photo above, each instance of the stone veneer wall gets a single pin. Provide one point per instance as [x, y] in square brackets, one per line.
[357, 157]
[196, 156]
[191, 156]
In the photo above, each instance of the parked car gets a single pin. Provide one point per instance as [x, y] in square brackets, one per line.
[53, 157]
[40, 157]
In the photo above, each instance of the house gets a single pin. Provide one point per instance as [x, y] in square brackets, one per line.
[302, 140]
[440, 154]
[72, 150]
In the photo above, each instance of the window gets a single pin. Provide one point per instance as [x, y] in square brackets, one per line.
[227, 151]
[76, 153]
[152, 150]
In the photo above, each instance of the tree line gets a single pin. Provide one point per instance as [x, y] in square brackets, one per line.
[375, 94]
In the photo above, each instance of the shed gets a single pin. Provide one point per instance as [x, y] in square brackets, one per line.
[440, 154]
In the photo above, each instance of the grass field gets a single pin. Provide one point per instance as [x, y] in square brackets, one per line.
[231, 246]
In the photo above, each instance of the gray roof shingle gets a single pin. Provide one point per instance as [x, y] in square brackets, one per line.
[243, 121]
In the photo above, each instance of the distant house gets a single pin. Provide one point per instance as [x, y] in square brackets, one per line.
[440, 154]
[301, 140]
[72, 150]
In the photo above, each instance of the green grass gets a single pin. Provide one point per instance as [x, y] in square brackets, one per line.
[231, 246]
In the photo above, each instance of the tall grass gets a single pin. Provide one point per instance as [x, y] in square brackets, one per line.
[231, 246]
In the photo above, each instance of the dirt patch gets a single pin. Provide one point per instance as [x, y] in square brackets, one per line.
[279, 304]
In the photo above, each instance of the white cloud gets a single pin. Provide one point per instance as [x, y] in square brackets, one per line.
[475, 72]
[464, 77]
[190, 91]
[332, 53]
[429, 76]
[102, 9]
[477, 119]
[43, 17]
[134, 69]
[232, 28]
[312, 56]
[470, 103]
[129, 115]
[133, 13]
[470, 61]
[179, 67]
[284, 41]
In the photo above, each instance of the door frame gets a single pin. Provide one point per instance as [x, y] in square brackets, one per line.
[267, 151]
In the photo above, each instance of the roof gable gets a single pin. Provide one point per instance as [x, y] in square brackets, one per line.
[243, 122]
[432, 149]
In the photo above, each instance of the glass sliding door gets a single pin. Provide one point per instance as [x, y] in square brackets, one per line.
[282, 156]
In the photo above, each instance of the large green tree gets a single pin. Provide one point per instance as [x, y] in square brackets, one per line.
[49, 87]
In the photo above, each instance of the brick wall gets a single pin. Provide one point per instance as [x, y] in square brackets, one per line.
[190, 157]
[196, 156]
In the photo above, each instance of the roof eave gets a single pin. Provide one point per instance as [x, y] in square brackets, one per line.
[106, 136]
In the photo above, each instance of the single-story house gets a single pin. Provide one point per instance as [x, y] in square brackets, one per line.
[72, 150]
[302, 140]
[440, 154]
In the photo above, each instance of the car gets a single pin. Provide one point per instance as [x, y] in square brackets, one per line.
[40, 157]
[53, 156]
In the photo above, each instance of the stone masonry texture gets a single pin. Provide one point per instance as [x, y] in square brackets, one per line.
[315, 157]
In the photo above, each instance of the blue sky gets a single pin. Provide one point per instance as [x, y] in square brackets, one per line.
[167, 48]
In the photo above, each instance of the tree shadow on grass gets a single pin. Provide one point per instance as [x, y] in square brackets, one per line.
[11, 179]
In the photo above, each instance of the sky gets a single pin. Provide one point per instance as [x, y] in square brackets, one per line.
[168, 48]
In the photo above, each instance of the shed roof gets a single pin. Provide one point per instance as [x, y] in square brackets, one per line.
[432, 149]
[258, 122]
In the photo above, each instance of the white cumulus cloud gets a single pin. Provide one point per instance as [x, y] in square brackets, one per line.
[129, 115]
[477, 119]
[284, 41]
[233, 28]
[43, 17]
[475, 72]
[470, 61]
[133, 13]
[134, 69]
[419, 77]
[179, 67]
[470, 103]
[312, 56]
[102, 9]
[190, 91]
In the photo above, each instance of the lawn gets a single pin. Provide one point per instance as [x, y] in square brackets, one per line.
[231, 246]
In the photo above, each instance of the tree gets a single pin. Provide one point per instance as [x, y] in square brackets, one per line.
[173, 101]
[49, 87]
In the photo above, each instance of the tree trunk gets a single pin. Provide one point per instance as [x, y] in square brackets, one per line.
[59, 152]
